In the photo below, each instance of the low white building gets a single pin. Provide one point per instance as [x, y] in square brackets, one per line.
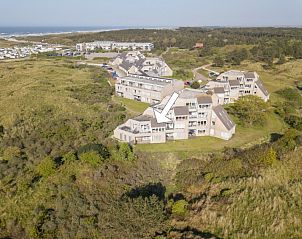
[112, 45]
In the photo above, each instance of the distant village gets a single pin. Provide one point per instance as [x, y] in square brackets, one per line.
[26, 51]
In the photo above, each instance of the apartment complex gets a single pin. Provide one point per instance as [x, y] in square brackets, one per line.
[134, 62]
[193, 114]
[231, 85]
[147, 89]
[112, 45]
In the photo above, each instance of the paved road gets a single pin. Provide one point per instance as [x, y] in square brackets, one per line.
[91, 56]
[197, 76]
[118, 71]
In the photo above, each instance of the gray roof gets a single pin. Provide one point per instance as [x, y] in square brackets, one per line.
[150, 80]
[181, 110]
[154, 124]
[204, 99]
[262, 87]
[218, 90]
[224, 117]
[142, 118]
[249, 74]
[234, 82]
[126, 65]
[189, 93]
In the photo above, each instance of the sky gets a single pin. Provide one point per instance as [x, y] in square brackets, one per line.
[151, 13]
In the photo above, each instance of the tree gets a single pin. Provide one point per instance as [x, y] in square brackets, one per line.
[237, 56]
[250, 110]
[46, 167]
[218, 61]
[195, 85]
[125, 152]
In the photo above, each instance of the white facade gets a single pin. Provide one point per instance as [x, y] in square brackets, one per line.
[192, 115]
[112, 45]
[231, 85]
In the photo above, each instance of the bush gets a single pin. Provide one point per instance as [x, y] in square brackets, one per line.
[179, 208]
[11, 153]
[294, 121]
[92, 158]
[195, 85]
[269, 157]
[125, 152]
[98, 148]
[46, 167]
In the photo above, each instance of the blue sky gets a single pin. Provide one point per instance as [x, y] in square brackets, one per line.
[151, 12]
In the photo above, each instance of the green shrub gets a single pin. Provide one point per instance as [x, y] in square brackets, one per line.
[294, 121]
[46, 167]
[98, 148]
[269, 157]
[179, 208]
[11, 153]
[195, 85]
[124, 152]
[92, 158]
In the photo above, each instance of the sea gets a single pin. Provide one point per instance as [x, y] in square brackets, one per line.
[38, 31]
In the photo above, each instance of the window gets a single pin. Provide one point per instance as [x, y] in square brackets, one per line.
[213, 123]
[202, 123]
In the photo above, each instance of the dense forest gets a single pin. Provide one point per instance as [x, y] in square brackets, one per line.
[63, 176]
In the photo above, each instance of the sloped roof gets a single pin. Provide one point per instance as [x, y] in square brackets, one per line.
[249, 74]
[154, 124]
[219, 90]
[262, 87]
[181, 110]
[126, 65]
[204, 99]
[234, 82]
[224, 117]
[142, 118]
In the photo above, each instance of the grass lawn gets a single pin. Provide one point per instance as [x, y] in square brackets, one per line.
[244, 137]
[134, 107]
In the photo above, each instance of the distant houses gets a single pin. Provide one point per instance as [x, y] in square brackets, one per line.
[112, 45]
[22, 52]
[134, 62]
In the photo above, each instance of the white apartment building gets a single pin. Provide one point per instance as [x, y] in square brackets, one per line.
[112, 45]
[192, 115]
[147, 89]
[134, 62]
[231, 85]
